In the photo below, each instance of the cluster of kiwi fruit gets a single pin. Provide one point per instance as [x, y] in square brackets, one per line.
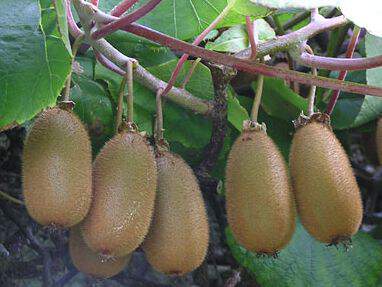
[131, 195]
[135, 195]
[262, 201]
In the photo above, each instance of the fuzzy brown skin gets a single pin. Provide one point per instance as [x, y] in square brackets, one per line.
[124, 180]
[327, 195]
[259, 199]
[379, 140]
[89, 262]
[57, 169]
[178, 239]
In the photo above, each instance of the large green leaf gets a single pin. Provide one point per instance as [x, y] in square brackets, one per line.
[60, 7]
[33, 65]
[192, 131]
[306, 262]
[188, 18]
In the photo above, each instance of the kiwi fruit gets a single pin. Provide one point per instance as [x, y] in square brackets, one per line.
[379, 140]
[57, 169]
[124, 186]
[89, 262]
[178, 238]
[259, 200]
[327, 195]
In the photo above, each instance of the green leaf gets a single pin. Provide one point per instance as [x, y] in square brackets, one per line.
[236, 39]
[94, 109]
[236, 113]
[60, 8]
[192, 131]
[354, 110]
[280, 101]
[306, 262]
[186, 19]
[247, 8]
[33, 65]
[232, 40]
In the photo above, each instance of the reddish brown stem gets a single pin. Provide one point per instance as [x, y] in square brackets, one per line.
[122, 7]
[251, 36]
[349, 54]
[73, 28]
[108, 64]
[250, 66]
[190, 72]
[125, 20]
[340, 64]
[197, 41]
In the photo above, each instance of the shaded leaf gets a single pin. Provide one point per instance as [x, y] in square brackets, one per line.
[306, 262]
[33, 65]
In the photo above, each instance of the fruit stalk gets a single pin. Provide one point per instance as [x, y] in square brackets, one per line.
[130, 93]
[312, 90]
[257, 100]
[118, 118]
[159, 118]
[76, 45]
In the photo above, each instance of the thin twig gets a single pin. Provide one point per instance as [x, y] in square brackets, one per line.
[197, 41]
[285, 42]
[349, 54]
[187, 78]
[11, 198]
[296, 19]
[250, 66]
[178, 96]
[122, 7]
[339, 64]
[252, 36]
[125, 20]
[121, 94]
[130, 93]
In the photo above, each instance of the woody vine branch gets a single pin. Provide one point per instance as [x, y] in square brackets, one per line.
[116, 61]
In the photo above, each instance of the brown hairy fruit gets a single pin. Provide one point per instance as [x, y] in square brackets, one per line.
[259, 199]
[379, 140]
[124, 185]
[89, 262]
[57, 169]
[327, 196]
[178, 238]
